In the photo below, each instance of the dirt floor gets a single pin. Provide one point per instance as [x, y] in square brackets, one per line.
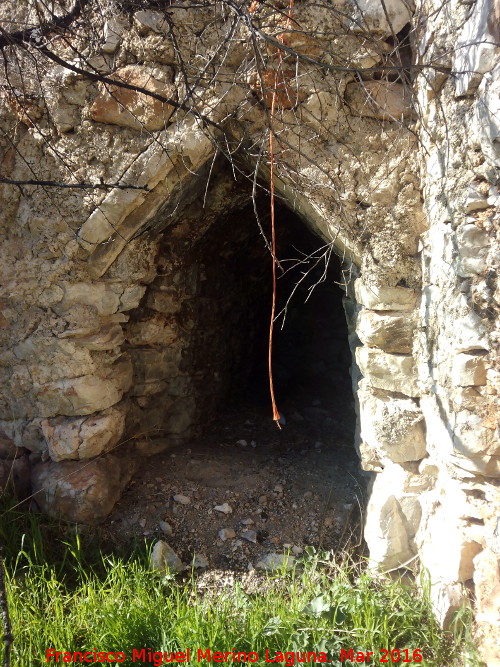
[282, 490]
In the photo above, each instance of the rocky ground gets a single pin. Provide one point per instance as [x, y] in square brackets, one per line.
[245, 489]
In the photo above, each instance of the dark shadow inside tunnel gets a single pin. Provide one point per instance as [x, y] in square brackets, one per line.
[311, 355]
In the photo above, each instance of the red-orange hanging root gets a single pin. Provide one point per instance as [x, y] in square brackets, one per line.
[276, 414]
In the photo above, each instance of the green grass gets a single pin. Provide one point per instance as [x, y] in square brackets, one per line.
[70, 596]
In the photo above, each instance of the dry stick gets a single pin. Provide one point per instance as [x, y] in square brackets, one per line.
[7, 634]
[276, 414]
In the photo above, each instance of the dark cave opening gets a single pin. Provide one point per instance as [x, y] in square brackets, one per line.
[199, 343]
[311, 355]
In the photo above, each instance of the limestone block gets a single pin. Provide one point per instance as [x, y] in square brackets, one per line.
[468, 370]
[147, 20]
[476, 48]
[156, 330]
[108, 337]
[473, 244]
[104, 297]
[472, 466]
[131, 297]
[384, 298]
[113, 30]
[446, 552]
[487, 581]
[390, 332]
[85, 394]
[388, 371]
[84, 437]
[488, 116]
[476, 200]
[371, 459]
[384, 18]
[392, 426]
[166, 302]
[81, 491]
[384, 100]
[385, 528]
[164, 559]
[129, 108]
[471, 438]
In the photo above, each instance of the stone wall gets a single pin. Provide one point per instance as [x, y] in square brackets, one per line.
[395, 167]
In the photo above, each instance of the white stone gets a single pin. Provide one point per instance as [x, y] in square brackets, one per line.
[391, 332]
[164, 559]
[392, 427]
[488, 116]
[148, 20]
[200, 561]
[224, 508]
[276, 561]
[468, 370]
[113, 30]
[384, 18]
[388, 371]
[384, 298]
[182, 500]
[476, 49]
[86, 394]
[476, 200]
[226, 534]
[473, 244]
[84, 437]
[471, 438]
[385, 529]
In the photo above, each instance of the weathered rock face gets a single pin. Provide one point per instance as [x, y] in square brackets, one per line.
[108, 294]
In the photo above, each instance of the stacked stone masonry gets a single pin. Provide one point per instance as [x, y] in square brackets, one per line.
[102, 289]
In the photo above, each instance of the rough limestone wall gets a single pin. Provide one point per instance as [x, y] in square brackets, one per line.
[458, 334]
[411, 212]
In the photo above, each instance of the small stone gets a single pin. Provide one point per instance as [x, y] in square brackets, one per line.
[165, 528]
[163, 558]
[142, 523]
[249, 536]
[275, 561]
[308, 495]
[278, 488]
[200, 561]
[243, 443]
[248, 522]
[183, 500]
[253, 443]
[263, 500]
[224, 508]
[297, 550]
[226, 534]
[287, 546]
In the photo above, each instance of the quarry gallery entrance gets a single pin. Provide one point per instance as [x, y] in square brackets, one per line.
[200, 392]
